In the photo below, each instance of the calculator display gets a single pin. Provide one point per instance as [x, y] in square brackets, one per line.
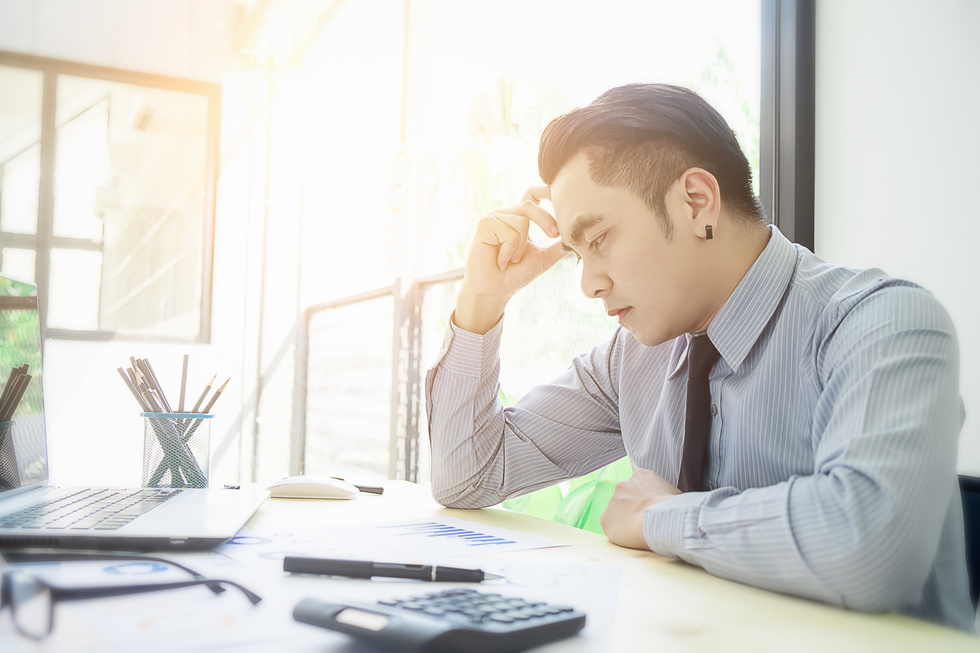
[362, 619]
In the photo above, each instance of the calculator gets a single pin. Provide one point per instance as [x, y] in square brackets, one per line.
[448, 620]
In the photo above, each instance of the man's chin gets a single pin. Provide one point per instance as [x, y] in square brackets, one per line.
[645, 338]
[642, 337]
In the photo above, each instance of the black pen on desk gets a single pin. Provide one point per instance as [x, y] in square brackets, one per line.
[367, 489]
[368, 569]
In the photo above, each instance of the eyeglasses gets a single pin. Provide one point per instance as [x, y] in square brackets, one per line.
[32, 599]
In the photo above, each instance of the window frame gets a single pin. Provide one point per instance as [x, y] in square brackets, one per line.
[43, 240]
[787, 117]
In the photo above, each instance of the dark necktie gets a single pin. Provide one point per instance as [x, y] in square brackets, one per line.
[697, 426]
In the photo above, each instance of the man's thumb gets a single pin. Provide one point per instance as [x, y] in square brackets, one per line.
[553, 253]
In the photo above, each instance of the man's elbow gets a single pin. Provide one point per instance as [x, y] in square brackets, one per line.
[468, 498]
[869, 584]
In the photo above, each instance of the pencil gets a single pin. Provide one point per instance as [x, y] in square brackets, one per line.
[13, 391]
[216, 395]
[183, 385]
[204, 394]
[152, 402]
[18, 395]
[132, 388]
[152, 377]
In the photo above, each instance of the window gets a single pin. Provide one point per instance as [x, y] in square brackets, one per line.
[479, 82]
[107, 197]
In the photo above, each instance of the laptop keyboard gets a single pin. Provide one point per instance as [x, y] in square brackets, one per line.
[89, 509]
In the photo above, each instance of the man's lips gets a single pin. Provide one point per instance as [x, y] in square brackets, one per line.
[619, 313]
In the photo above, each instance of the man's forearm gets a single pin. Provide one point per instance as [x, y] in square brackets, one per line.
[477, 314]
[556, 431]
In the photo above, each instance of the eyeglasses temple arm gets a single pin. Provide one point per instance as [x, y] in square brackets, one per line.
[79, 593]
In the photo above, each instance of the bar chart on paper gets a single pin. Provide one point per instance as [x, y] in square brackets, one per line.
[403, 541]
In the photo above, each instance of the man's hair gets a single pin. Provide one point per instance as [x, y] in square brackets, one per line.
[642, 137]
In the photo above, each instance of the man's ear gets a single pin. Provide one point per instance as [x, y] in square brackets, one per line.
[702, 195]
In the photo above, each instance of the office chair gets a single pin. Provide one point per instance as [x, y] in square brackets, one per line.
[970, 493]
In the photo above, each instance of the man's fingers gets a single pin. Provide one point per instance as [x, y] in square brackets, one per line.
[533, 197]
[514, 238]
[537, 193]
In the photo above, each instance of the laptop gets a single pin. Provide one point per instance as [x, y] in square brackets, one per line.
[35, 513]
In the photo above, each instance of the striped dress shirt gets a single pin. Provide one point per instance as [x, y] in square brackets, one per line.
[832, 455]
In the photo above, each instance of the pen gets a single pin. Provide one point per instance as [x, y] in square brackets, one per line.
[368, 489]
[368, 569]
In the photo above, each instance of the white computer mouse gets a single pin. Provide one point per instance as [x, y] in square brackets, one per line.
[312, 487]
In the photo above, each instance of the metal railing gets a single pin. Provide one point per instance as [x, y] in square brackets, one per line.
[338, 389]
[359, 405]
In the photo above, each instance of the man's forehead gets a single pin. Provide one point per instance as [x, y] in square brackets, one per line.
[567, 189]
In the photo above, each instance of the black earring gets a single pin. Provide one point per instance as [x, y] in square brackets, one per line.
[707, 232]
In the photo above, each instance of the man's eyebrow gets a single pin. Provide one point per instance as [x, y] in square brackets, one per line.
[579, 225]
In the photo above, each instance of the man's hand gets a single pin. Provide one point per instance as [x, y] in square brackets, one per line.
[502, 260]
[623, 519]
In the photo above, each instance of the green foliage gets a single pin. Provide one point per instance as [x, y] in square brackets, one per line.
[582, 503]
[18, 345]
[722, 81]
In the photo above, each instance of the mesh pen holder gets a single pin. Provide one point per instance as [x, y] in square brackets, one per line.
[9, 476]
[176, 449]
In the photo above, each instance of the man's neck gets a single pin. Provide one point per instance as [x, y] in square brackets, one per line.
[737, 253]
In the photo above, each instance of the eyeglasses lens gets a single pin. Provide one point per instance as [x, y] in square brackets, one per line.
[31, 605]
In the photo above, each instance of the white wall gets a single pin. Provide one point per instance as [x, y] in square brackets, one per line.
[898, 156]
[190, 39]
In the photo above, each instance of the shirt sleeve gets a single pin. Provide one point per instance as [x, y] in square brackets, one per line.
[483, 453]
[862, 531]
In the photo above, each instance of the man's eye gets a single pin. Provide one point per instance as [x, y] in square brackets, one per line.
[597, 241]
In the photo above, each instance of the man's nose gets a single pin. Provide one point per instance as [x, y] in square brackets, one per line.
[595, 283]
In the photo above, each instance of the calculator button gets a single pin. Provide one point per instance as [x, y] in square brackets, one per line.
[501, 618]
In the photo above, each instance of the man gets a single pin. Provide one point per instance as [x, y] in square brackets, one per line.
[827, 468]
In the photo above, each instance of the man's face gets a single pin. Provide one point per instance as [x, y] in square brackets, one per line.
[650, 283]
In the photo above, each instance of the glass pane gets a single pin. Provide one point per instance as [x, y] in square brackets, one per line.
[20, 137]
[482, 130]
[348, 407]
[82, 169]
[356, 180]
[73, 298]
[20, 178]
[130, 176]
[23, 456]
[18, 263]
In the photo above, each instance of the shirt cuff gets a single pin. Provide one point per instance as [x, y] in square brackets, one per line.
[464, 352]
[667, 526]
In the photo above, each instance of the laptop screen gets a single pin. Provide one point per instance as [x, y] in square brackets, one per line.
[23, 451]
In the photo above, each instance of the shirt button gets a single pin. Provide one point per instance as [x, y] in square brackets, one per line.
[714, 410]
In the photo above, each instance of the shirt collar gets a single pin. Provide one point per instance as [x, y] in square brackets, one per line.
[740, 322]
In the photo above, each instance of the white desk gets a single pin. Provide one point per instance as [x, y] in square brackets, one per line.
[661, 605]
